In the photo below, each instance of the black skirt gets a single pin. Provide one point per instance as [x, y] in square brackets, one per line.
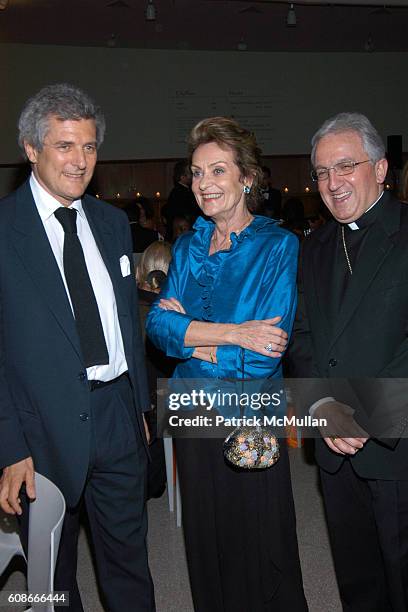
[240, 532]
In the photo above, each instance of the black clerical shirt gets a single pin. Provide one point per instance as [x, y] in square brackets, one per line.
[354, 241]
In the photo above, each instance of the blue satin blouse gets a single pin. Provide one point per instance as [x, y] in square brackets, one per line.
[254, 279]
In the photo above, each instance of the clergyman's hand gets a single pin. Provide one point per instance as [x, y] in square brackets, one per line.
[14, 476]
[342, 434]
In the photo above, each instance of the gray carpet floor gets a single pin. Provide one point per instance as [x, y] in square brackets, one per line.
[167, 557]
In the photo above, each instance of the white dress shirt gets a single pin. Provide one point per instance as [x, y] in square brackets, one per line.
[100, 279]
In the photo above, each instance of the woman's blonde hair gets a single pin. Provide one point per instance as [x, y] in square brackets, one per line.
[157, 256]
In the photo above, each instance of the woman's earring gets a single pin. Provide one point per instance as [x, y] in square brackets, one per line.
[246, 189]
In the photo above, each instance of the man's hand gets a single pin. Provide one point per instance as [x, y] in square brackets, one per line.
[10, 484]
[146, 428]
[342, 434]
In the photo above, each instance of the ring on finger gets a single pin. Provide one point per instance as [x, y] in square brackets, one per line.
[269, 347]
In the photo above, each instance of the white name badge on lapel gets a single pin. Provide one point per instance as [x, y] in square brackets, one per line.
[124, 265]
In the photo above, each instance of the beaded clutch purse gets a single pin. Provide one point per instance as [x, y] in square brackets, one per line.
[251, 448]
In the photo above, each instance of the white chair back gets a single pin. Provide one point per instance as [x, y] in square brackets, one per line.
[10, 544]
[45, 524]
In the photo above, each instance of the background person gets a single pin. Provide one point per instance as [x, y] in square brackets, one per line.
[321, 217]
[271, 198]
[181, 200]
[230, 284]
[156, 257]
[142, 235]
[151, 273]
[181, 225]
[294, 217]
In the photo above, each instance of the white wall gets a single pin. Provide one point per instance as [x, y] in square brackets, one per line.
[152, 98]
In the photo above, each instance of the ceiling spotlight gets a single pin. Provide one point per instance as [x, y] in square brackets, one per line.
[3, 4]
[150, 11]
[291, 17]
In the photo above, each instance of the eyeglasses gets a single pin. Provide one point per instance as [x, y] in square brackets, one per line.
[342, 168]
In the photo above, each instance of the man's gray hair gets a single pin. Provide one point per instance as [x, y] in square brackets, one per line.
[64, 101]
[352, 122]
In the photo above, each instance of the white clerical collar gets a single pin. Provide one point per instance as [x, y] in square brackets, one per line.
[46, 203]
[354, 225]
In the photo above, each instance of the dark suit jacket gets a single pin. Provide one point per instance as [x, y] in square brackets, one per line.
[369, 338]
[44, 394]
[273, 203]
[142, 237]
[181, 201]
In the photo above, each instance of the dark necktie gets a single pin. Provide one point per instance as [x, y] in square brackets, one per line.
[87, 318]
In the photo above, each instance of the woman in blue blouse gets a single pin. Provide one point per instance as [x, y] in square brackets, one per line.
[226, 311]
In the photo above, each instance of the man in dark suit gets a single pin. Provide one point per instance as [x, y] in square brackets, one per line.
[142, 237]
[352, 324]
[271, 198]
[181, 200]
[72, 377]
